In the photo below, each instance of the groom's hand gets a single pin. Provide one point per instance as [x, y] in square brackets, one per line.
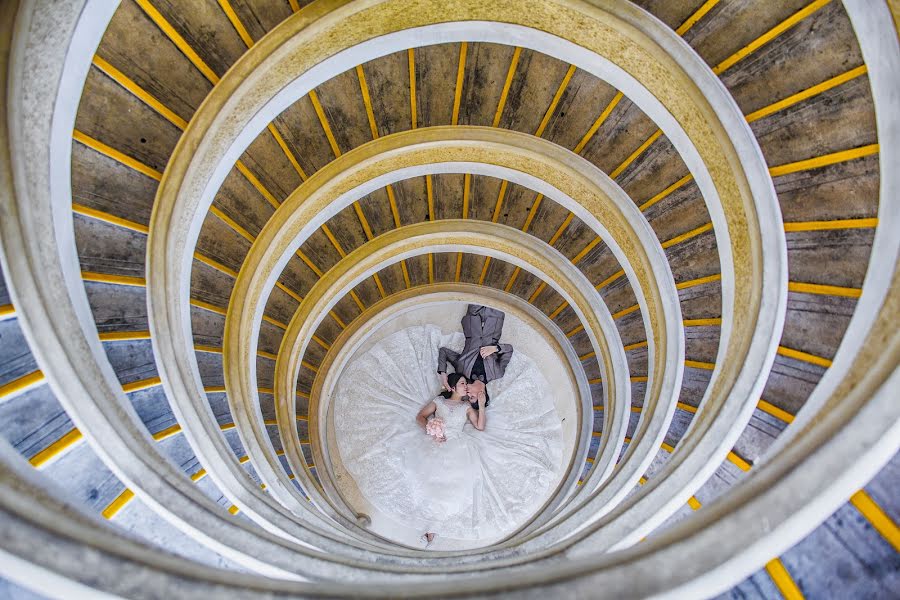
[487, 351]
[444, 383]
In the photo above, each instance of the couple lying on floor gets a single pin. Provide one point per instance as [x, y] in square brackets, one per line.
[468, 478]
[483, 359]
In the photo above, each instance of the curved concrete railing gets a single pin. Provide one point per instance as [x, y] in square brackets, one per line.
[497, 152]
[261, 85]
[38, 254]
[497, 241]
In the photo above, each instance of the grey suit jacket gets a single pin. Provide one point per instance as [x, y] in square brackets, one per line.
[482, 326]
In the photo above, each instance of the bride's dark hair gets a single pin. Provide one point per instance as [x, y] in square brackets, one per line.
[452, 380]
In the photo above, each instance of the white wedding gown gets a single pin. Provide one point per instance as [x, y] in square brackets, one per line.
[478, 485]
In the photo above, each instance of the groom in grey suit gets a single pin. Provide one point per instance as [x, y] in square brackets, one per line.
[483, 358]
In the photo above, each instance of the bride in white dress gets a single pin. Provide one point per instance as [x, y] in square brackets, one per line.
[496, 466]
[449, 413]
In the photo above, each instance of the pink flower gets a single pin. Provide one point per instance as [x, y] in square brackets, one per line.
[435, 428]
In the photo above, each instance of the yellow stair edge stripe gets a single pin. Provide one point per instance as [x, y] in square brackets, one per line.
[698, 14]
[142, 384]
[700, 364]
[207, 306]
[598, 123]
[584, 251]
[257, 184]
[236, 22]
[275, 322]
[609, 280]
[738, 461]
[658, 197]
[553, 103]
[87, 211]
[687, 235]
[367, 100]
[411, 59]
[510, 73]
[824, 160]
[702, 322]
[769, 36]
[179, 41]
[804, 356]
[323, 121]
[625, 311]
[774, 411]
[699, 281]
[577, 329]
[823, 290]
[21, 384]
[130, 85]
[269, 355]
[633, 156]
[56, 449]
[783, 580]
[837, 224]
[877, 517]
[118, 504]
[460, 77]
[110, 278]
[562, 228]
[116, 155]
[7, 311]
[806, 94]
[231, 223]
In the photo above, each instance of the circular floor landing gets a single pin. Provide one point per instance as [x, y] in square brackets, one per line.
[533, 344]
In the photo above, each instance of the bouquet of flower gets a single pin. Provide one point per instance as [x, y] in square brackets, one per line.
[435, 428]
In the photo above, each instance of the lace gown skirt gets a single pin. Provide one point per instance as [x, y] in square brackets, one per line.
[477, 484]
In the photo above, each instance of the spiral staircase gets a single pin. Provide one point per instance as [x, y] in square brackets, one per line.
[207, 204]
